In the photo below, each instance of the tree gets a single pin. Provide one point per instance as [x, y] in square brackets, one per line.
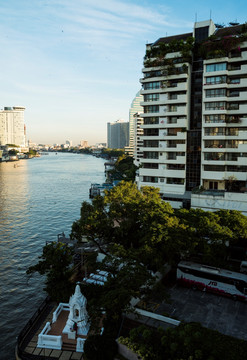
[124, 168]
[133, 224]
[100, 348]
[208, 234]
[55, 262]
[13, 152]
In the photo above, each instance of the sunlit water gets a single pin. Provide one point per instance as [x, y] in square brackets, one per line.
[39, 198]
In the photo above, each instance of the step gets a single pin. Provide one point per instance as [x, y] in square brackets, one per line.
[68, 346]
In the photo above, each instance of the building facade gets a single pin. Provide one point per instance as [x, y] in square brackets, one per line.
[195, 117]
[12, 127]
[117, 134]
[134, 108]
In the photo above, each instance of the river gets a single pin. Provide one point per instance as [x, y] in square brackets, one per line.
[39, 198]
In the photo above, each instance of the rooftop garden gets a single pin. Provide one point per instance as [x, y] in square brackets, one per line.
[215, 47]
[156, 54]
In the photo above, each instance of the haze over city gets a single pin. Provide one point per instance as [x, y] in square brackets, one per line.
[75, 65]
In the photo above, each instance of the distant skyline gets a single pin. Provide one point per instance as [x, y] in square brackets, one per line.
[75, 64]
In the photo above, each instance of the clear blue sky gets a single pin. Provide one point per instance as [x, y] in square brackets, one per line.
[76, 64]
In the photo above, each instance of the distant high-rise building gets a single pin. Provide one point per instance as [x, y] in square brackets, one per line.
[117, 134]
[68, 143]
[138, 140]
[12, 128]
[134, 108]
[84, 143]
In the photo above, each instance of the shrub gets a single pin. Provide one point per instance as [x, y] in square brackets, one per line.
[99, 347]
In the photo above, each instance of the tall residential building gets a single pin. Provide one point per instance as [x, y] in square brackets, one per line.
[134, 108]
[138, 139]
[195, 117]
[117, 134]
[12, 128]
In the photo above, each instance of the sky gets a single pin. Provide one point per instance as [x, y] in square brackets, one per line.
[75, 64]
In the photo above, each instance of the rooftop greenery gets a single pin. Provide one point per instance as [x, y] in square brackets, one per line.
[156, 54]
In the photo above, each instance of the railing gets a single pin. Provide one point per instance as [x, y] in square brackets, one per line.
[61, 307]
[49, 341]
[20, 353]
[209, 192]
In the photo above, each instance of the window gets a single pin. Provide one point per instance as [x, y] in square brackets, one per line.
[214, 156]
[214, 144]
[151, 109]
[151, 132]
[233, 119]
[172, 120]
[151, 120]
[173, 96]
[150, 155]
[235, 168]
[173, 108]
[174, 143]
[233, 93]
[151, 179]
[171, 156]
[151, 143]
[213, 185]
[215, 80]
[151, 85]
[233, 106]
[175, 166]
[214, 167]
[235, 67]
[175, 181]
[214, 131]
[150, 166]
[217, 105]
[216, 67]
[234, 81]
[152, 74]
[215, 92]
[219, 118]
[151, 97]
[233, 131]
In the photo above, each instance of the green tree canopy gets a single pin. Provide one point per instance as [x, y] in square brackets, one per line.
[124, 168]
[55, 262]
[134, 224]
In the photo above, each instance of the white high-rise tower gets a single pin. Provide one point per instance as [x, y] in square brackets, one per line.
[12, 128]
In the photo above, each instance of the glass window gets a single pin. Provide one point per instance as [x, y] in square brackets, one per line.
[150, 166]
[215, 92]
[234, 81]
[150, 155]
[216, 67]
[233, 106]
[175, 181]
[216, 80]
[151, 120]
[151, 97]
[151, 85]
[151, 143]
[216, 105]
[151, 109]
[152, 179]
[219, 118]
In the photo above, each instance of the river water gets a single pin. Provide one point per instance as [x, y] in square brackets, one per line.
[39, 198]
